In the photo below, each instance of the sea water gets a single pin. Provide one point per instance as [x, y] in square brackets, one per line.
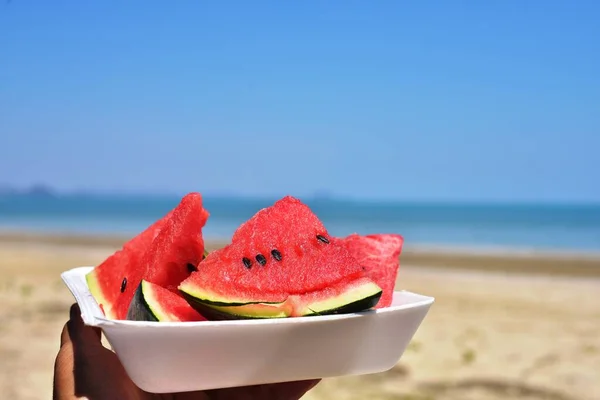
[532, 226]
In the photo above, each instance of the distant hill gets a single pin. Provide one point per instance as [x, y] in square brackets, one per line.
[38, 190]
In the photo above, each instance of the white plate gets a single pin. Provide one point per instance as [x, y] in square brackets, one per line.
[163, 357]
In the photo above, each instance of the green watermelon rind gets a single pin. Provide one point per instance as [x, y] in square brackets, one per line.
[196, 294]
[140, 309]
[94, 288]
[360, 296]
[199, 298]
[154, 303]
[233, 312]
[357, 306]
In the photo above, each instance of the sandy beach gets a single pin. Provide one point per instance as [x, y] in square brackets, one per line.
[504, 326]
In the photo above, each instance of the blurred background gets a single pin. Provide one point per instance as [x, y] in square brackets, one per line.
[471, 128]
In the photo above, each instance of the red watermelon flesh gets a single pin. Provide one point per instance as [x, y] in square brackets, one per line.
[380, 255]
[146, 256]
[281, 255]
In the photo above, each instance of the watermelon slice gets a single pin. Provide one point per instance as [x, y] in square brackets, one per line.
[380, 255]
[152, 302]
[281, 263]
[164, 254]
[179, 246]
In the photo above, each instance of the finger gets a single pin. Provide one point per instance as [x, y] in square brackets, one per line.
[83, 329]
[64, 336]
[76, 330]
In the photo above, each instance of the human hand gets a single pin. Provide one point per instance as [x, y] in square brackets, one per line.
[85, 368]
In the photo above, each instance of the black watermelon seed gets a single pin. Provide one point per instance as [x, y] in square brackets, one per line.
[247, 262]
[123, 285]
[276, 254]
[191, 268]
[322, 239]
[261, 259]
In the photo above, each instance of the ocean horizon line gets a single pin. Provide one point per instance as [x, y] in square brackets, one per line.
[36, 192]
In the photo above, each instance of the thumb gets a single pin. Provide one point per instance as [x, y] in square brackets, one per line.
[76, 341]
[75, 331]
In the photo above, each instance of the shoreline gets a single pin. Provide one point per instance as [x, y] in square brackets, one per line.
[489, 259]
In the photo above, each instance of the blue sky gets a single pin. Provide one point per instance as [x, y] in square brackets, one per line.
[443, 100]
